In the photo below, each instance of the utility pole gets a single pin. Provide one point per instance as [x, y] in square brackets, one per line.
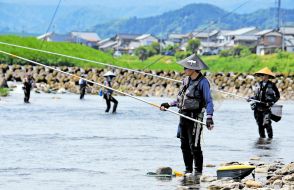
[279, 15]
[279, 21]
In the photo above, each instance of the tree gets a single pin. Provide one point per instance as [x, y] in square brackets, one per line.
[156, 47]
[142, 53]
[193, 45]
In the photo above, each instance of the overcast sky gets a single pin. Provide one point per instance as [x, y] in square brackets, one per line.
[252, 5]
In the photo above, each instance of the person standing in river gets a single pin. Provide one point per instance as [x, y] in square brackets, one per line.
[268, 94]
[83, 86]
[107, 93]
[193, 99]
[27, 87]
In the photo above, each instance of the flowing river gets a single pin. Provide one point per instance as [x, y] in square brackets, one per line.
[59, 142]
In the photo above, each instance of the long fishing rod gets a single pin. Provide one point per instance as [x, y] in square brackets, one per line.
[91, 61]
[109, 65]
[101, 85]
[229, 93]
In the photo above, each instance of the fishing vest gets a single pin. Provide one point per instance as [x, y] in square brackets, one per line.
[82, 82]
[107, 91]
[265, 93]
[190, 96]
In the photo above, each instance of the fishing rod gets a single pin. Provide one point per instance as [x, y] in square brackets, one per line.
[229, 93]
[109, 65]
[101, 85]
[91, 61]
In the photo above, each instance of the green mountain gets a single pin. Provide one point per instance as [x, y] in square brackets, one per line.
[193, 17]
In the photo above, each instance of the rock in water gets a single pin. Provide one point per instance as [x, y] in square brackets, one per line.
[164, 170]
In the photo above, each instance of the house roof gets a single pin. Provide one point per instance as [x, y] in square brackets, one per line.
[127, 36]
[104, 41]
[246, 38]
[176, 36]
[287, 30]
[273, 34]
[88, 36]
[225, 32]
[205, 34]
[263, 32]
[55, 37]
[241, 31]
[143, 36]
[108, 45]
[289, 41]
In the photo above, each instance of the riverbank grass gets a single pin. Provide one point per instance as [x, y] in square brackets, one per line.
[4, 92]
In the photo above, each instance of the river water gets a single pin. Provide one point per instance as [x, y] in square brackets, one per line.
[59, 142]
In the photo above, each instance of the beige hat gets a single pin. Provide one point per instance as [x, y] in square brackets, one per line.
[265, 71]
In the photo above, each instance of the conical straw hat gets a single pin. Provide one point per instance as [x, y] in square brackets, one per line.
[109, 73]
[265, 71]
[193, 62]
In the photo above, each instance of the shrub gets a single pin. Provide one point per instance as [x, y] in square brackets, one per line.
[4, 91]
[182, 54]
[226, 53]
[283, 55]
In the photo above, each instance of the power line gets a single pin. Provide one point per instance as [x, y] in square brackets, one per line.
[229, 13]
[51, 21]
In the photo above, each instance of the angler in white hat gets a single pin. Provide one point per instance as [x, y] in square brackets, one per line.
[107, 93]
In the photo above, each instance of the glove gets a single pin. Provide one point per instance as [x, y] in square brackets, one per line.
[164, 105]
[209, 123]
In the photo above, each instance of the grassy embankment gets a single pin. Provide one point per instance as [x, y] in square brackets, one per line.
[282, 62]
[4, 91]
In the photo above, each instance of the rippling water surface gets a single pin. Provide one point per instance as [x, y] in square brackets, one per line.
[59, 142]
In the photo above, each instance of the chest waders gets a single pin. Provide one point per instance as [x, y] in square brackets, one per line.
[190, 103]
[82, 90]
[27, 91]
[109, 98]
[262, 113]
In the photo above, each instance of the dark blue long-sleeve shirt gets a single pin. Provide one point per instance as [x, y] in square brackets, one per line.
[205, 88]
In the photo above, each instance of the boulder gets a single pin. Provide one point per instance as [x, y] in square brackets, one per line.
[164, 170]
[262, 169]
[287, 169]
[253, 184]
[207, 178]
[225, 184]
[288, 179]
[278, 184]
[3, 83]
